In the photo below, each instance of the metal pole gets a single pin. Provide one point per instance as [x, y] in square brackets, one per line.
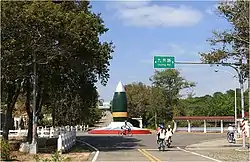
[242, 106]
[235, 108]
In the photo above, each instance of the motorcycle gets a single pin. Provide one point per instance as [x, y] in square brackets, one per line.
[230, 138]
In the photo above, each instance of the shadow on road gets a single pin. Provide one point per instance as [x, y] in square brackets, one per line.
[112, 143]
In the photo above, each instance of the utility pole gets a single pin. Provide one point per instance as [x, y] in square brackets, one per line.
[34, 146]
[241, 81]
[235, 108]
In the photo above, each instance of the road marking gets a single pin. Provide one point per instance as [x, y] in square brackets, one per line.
[96, 150]
[148, 155]
[194, 153]
[198, 132]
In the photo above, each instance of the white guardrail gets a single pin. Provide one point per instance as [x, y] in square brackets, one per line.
[66, 141]
[47, 132]
[66, 135]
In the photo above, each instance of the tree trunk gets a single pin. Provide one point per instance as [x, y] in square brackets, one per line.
[30, 126]
[7, 123]
[155, 120]
[13, 93]
[28, 110]
[53, 117]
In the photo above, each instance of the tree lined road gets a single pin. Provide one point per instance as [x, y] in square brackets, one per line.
[144, 148]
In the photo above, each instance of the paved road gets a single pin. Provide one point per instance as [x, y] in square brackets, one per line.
[144, 148]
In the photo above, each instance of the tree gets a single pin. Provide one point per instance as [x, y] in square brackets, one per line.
[138, 95]
[62, 40]
[231, 44]
[169, 83]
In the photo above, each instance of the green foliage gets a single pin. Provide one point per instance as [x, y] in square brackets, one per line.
[138, 96]
[160, 102]
[6, 151]
[233, 43]
[63, 40]
[168, 85]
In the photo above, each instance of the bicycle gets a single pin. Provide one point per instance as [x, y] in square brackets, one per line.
[230, 138]
[161, 144]
[168, 142]
[125, 133]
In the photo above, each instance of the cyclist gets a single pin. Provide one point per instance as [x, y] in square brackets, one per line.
[230, 130]
[161, 134]
[170, 132]
[126, 127]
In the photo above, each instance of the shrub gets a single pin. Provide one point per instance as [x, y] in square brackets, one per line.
[6, 151]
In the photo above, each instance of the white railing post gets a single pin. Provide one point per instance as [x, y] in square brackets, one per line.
[19, 132]
[51, 132]
[74, 137]
[221, 126]
[59, 144]
[87, 127]
[189, 126]
[42, 132]
[205, 126]
[84, 127]
[63, 143]
[80, 127]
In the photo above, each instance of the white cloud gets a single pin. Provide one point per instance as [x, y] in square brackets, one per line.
[212, 9]
[170, 49]
[145, 14]
[181, 52]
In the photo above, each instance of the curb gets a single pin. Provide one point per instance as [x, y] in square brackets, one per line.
[96, 152]
[181, 132]
[243, 150]
[203, 145]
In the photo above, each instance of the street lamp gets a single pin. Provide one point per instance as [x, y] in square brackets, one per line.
[235, 96]
[239, 71]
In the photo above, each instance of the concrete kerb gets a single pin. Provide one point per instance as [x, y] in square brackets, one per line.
[215, 144]
[96, 151]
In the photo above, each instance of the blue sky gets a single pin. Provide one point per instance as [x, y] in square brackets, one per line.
[142, 29]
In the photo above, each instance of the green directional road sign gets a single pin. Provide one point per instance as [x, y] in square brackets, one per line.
[166, 62]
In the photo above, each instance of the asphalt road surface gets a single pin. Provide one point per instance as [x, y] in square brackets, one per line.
[144, 147]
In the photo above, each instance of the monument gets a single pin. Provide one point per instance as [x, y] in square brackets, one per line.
[120, 114]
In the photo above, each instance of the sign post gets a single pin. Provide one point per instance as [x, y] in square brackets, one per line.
[166, 62]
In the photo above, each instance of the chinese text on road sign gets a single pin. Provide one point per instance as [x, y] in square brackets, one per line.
[164, 62]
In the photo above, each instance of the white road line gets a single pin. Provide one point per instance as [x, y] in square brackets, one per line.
[96, 150]
[194, 153]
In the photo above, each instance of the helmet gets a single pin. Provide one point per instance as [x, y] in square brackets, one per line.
[169, 126]
[161, 126]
